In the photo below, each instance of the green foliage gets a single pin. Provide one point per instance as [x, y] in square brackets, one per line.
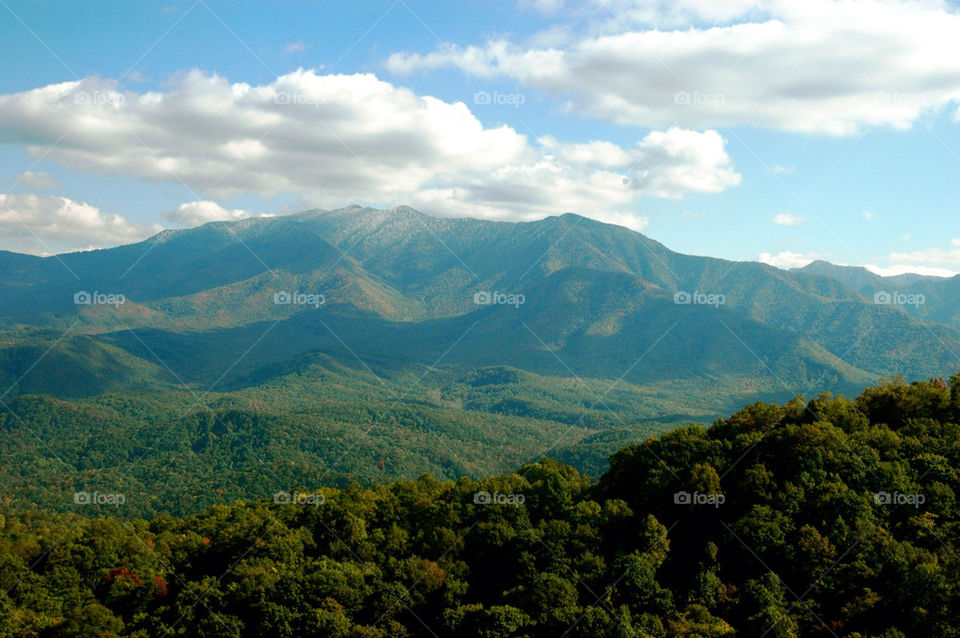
[802, 543]
[167, 454]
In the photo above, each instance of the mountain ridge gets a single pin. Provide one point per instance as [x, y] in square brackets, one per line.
[397, 285]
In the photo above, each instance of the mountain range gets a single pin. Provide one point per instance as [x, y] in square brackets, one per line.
[397, 289]
[527, 333]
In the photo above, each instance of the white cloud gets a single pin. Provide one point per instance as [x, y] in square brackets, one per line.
[922, 262]
[670, 163]
[936, 255]
[787, 219]
[867, 214]
[294, 47]
[819, 66]
[202, 212]
[664, 163]
[44, 225]
[901, 269]
[336, 139]
[36, 180]
[600, 153]
[495, 196]
[576, 178]
[786, 259]
[783, 170]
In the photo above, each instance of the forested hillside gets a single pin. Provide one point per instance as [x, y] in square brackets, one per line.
[832, 517]
[380, 295]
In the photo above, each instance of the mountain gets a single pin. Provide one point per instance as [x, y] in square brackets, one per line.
[926, 297]
[859, 277]
[398, 290]
[467, 335]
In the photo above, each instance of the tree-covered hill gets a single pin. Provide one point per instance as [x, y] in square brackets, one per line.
[402, 291]
[832, 517]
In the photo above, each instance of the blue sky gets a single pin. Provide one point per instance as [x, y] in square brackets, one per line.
[779, 131]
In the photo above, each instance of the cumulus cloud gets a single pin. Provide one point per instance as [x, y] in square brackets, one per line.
[788, 219]
[36, 180]
[44, 225]
[786, 259]
[664, 163]
[597, 179]
[670, 163]
[598, 153]
[936, 255]
[502, 193]
[202, 212]
[819, 66]
[332, 139]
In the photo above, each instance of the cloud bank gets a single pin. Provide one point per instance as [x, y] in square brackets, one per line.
[830, 67]
[334, 139]
[45, 225]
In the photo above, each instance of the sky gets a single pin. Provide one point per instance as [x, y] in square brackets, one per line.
[774, 131]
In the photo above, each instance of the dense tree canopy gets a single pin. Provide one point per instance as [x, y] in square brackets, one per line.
[832, 517]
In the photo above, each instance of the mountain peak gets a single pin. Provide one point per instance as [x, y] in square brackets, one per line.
[403, 209]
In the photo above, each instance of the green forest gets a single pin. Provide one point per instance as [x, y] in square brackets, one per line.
[829, 517]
